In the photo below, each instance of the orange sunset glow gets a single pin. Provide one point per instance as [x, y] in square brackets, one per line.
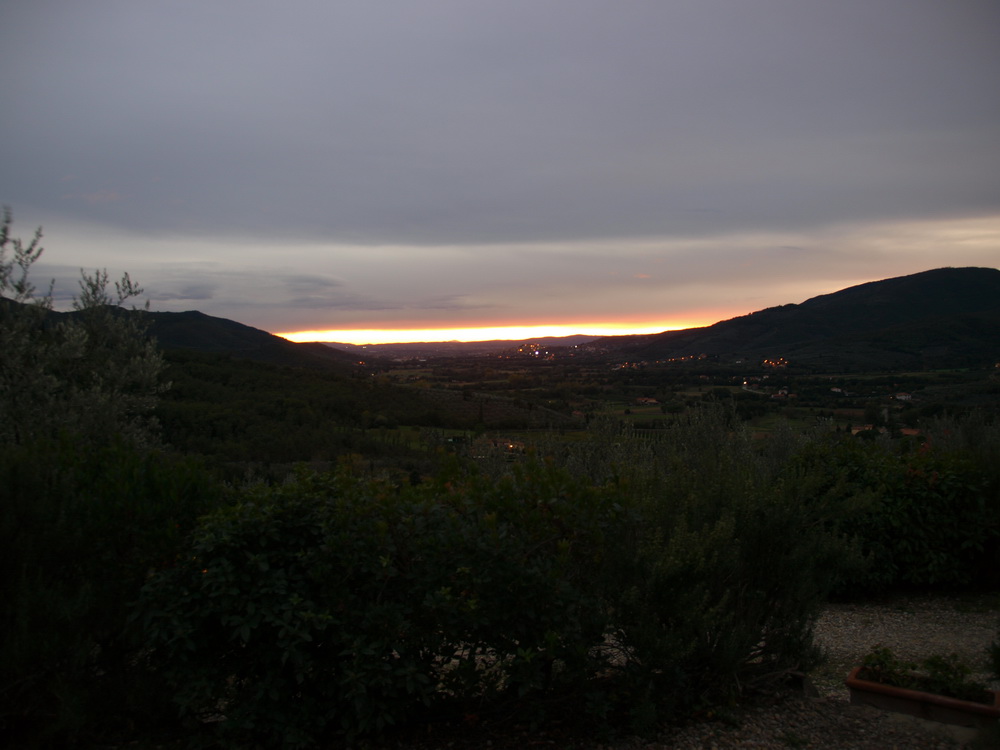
[485, 333]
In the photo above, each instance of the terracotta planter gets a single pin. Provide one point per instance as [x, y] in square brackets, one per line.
[923, 705]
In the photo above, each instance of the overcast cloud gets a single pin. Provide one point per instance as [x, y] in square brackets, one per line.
[331, 164]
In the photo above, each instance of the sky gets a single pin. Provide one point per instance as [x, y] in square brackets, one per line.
[350, 170]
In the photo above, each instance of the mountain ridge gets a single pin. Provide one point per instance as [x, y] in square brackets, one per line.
[904, 321]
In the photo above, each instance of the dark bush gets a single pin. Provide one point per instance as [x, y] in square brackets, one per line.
[80, 527]
[335, 606]
[734, 561]
[924, 518]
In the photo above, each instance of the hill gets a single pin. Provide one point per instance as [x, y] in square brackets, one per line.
[195, 331]
[942, 317]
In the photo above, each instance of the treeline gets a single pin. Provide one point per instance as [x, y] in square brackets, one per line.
[236, 411]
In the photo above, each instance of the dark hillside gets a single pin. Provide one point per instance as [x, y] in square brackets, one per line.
[947, 316]
[237, 410]
[196, 331]
[234, 409]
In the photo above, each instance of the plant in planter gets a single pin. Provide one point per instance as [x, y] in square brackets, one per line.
[940, 688]
[941, 675]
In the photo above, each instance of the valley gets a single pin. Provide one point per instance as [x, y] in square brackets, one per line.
[889, 366]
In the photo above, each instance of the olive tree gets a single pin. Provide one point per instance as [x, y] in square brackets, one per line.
[92, 373]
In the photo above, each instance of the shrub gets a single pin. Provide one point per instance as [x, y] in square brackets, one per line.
[922, 519]
[936, 518]
[724, 561]
[734, 562]
[333, 605]
[80, 527]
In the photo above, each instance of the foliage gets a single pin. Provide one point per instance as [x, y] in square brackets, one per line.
[733, 561]
[937, 516]
[93, 374]
[80, 527]
[231, 410]
[945, 675]
[333, 605]
[923, 518]
[729, 602]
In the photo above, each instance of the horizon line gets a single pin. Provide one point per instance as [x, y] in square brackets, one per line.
[474, 334]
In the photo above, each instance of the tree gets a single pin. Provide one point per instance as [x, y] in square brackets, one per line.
[92, 374]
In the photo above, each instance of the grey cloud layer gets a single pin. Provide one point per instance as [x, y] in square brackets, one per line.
[516, 121]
